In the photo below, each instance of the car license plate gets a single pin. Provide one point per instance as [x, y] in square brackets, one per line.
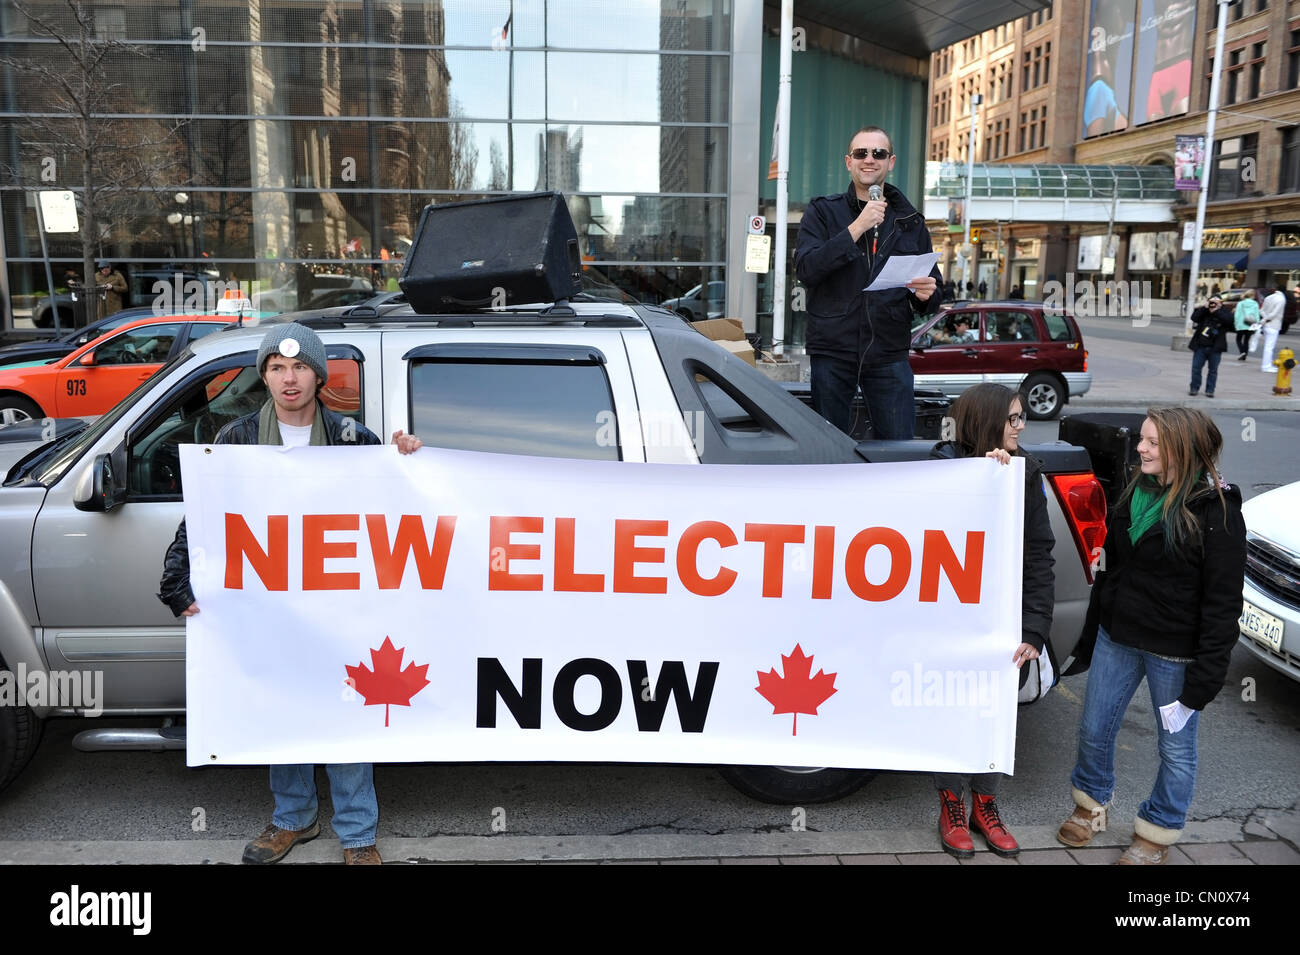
[1260, 626]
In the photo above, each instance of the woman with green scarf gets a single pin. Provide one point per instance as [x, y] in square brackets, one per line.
[1164, 608]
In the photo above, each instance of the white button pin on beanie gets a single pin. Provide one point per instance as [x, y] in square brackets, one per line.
[289, 347]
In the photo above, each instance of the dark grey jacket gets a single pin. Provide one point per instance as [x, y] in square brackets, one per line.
[843, 320]
[174, 588]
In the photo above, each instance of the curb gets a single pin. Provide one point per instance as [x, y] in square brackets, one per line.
[584, 848]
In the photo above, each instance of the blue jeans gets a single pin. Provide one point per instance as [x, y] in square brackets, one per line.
[1199, 358]
[352, 790]
[1113, 678]
[887, 392]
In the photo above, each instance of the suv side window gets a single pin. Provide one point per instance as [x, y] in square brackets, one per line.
[1058, 329]
[1011, 327]
[204, 404]
[513, 400]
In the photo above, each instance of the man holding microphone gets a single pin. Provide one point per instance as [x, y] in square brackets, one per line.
[858, 338]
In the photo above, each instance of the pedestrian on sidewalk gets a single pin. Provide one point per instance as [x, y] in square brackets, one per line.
[1244, 319]
[1271, 312]
[989, 419]
[1164, 608]
[1210, 327]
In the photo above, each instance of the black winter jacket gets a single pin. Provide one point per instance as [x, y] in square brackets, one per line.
[1038, 586]
[1211, 328]
[1181, 604]
[843, 320]
[174, 588]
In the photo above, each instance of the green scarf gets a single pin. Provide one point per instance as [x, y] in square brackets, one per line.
[1144, 510]
[268, 427]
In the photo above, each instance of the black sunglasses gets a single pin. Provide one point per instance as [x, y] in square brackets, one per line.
[876, 153]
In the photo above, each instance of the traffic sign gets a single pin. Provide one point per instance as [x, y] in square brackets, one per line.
[757, 224]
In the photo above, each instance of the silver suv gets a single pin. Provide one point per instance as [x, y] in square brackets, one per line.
[86, 514]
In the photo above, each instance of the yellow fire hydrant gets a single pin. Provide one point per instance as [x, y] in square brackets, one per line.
[1284, 362]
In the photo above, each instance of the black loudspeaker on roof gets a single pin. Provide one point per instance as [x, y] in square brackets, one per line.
[490, 253]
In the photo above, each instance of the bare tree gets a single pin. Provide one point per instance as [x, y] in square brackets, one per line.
[120, 163]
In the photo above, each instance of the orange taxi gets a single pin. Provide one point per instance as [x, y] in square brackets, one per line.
[100, 374]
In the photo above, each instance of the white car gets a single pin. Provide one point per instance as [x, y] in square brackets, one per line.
[1270, 617]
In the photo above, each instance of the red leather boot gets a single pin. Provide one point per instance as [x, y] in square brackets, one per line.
[985, 820]
[953, 832]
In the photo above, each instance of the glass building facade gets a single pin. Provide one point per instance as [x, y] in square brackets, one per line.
[263, 138]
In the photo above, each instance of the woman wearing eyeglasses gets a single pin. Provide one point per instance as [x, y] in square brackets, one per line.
[1164, 609]
[989, 419]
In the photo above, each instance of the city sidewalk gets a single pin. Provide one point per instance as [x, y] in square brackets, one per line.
[1268, 839]
[1133, 373]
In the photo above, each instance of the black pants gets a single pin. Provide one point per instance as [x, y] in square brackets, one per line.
[1243, 340]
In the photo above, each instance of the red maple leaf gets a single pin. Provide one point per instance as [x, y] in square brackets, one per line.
[796, 692]
[388, 683]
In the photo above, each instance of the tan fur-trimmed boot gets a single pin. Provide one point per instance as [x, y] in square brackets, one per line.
[1089, 817]
[1150, 844]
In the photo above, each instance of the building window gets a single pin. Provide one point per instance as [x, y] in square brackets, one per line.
[1036, 67]
[1254, 71]
[1290, 179]
[1234, 159]
[1293, 62]
[1042, 127]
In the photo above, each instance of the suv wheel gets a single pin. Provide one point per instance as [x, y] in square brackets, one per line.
[20, 732]
[795, 785]
[16, 408]
[1044, 395]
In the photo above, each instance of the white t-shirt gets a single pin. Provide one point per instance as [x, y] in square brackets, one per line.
[295, 436]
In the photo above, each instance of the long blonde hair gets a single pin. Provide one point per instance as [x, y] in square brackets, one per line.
[1190, 444]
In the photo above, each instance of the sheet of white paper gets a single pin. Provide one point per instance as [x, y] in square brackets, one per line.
[901, 269]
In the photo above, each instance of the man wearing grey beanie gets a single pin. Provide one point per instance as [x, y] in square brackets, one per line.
[293, 365]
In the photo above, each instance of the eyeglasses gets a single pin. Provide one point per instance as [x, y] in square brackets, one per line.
[876, 153]
[1017, 419]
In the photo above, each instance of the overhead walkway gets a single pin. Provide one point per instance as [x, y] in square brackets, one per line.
[1052, 192]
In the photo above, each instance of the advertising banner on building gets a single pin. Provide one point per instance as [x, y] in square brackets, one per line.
[1126, 82]
[358, 606]
[1109, 67]
[1189, 162]
[1163, 68]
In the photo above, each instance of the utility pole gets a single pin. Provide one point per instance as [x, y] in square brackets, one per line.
[968, 250]
[1207, 171]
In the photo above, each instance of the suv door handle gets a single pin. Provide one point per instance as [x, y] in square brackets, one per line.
[969, 352]
[1030, 352]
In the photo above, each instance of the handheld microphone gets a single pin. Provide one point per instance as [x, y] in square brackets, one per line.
[874, 194]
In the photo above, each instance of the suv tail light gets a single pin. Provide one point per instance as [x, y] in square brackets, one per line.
[1084, 504]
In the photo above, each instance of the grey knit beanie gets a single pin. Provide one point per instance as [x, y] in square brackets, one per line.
[294, 341]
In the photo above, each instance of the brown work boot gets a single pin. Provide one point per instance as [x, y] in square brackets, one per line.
[274, 843]
[365, 855]
[1088, 818]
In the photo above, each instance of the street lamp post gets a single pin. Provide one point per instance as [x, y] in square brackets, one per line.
[1207, 171]
[968, 250]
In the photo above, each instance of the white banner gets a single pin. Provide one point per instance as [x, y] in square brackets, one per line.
[357, 605]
